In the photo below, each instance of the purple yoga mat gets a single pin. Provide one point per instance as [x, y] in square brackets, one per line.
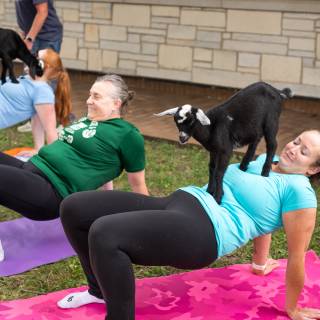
[28, 244]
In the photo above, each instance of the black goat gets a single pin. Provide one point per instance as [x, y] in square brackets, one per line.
[244, 119]
[13, 47]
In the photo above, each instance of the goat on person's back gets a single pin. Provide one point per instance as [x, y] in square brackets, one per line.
[244, 119]
[12, 47]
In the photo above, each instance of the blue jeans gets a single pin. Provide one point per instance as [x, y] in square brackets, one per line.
[40, 44]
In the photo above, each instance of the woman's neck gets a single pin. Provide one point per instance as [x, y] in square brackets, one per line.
[116, 116]
[275, 168]
[42, 78]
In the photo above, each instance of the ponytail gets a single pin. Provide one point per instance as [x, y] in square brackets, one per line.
[315, 179]
[126, 101]
[63, 105]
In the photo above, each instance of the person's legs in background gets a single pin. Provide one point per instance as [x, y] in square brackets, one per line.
[40, 44]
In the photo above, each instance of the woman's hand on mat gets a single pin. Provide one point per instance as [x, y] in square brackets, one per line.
[270, 265]
[304, 314]
[27, 153]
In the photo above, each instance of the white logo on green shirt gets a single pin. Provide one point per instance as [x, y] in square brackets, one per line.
[69, 139]
[88, 133]
[67, 133]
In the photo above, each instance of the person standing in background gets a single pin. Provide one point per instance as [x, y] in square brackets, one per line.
[40, 24]
[41, 29]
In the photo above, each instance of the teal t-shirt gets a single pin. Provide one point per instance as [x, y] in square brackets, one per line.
[18, 100]
[253, 205]
[90, 153]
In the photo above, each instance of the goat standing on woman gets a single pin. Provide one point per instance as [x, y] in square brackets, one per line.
[249, 115]
[12, 47]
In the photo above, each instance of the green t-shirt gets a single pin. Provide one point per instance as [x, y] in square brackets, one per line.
[90, 153]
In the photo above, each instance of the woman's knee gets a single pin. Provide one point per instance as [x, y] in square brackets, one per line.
[103, 234]
[71, 208]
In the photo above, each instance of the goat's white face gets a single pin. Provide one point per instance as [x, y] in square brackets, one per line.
[185, 118]
[183, 113]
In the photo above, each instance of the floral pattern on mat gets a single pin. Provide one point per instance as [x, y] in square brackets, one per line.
[209, 294]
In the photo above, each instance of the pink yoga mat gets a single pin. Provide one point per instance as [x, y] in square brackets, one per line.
[231, 293]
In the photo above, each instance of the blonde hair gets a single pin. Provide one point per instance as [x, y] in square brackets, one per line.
[63, 104]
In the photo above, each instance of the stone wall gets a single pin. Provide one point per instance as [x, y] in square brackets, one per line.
[221, 44]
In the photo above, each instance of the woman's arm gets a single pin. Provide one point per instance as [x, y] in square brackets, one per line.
[107, 186]
[137, 182]
[298, 227]
[38, 21]
[47, 120]
[37, 132]
[261, 264]
[261, 247]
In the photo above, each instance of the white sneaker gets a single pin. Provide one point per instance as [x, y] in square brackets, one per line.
[25, 127]
[1, 252]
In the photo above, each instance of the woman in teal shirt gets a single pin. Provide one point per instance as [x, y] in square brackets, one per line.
[188, 229]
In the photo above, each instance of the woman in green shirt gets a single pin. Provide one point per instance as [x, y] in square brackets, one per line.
[87, 154]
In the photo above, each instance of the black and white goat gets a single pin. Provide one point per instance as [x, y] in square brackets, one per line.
[13, 47]
[243, 119]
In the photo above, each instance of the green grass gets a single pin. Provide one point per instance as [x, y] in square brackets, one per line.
[169, 166]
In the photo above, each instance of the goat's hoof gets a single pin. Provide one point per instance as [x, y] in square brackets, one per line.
[243, 167]
[14, 81]
[211, 192]
[218, 198]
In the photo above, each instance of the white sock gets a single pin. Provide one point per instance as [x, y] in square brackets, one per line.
[78, 299]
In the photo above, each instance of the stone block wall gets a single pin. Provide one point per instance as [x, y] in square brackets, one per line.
[221, 45]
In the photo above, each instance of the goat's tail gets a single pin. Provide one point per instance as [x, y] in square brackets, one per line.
[286, 93]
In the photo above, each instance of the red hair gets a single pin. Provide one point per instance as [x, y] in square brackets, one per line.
[63, 104]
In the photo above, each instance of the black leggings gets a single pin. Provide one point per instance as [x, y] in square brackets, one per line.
[110, 230]
[26, 190]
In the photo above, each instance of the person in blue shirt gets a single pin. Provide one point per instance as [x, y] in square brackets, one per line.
[111, 230]
[41, 29]
[40, 25]
[35, 99]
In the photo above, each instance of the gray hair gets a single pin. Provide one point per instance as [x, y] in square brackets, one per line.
[121, 89]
